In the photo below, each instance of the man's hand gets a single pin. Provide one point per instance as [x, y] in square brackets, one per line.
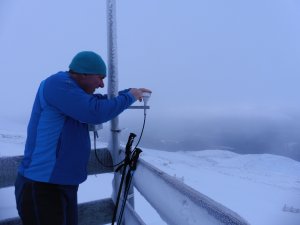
[138, 92]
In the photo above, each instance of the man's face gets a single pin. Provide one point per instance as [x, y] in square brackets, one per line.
[90, 83]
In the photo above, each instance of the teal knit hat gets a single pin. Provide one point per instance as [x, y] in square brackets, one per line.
[88, 62]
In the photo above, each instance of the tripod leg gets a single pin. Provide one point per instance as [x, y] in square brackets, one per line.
[119, 195]
[127, 187]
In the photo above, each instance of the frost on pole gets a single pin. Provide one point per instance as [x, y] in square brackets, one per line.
[112, 49]
[112, 90]
[112, 87]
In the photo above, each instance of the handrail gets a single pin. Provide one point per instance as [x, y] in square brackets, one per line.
[178, 203]
[92, 213]
[132, 218]
[174, 201]
[9, 166]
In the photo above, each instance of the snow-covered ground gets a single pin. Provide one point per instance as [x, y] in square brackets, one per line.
[264, 189]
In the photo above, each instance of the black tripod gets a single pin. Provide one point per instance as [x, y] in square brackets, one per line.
[129, 166]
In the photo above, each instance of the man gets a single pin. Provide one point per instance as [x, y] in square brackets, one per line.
[58, 146]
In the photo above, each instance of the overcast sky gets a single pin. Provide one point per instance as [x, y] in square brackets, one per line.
[208, 57]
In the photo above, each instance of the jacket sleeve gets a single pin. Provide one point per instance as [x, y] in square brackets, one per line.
[71, 100]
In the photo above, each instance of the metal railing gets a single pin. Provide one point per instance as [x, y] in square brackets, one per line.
[175, 202]
[92, 213]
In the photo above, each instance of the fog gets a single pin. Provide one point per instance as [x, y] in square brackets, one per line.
[242, 133]
[224, 74]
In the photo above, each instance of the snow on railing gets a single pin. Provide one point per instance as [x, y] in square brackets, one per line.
[178, 203]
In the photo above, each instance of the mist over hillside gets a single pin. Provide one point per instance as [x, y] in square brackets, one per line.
[244, 134]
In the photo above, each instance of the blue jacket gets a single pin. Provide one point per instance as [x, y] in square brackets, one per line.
[58, 144]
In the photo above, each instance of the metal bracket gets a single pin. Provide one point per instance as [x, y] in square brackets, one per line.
[116, 130]
[139, 107]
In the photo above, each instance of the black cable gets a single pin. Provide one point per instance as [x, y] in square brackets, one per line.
[107, 166]
[98, 159]
[141, 132]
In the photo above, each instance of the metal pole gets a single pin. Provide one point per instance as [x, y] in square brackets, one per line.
[114, 144]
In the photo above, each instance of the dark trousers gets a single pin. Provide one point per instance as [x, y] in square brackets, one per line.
[41, 203]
